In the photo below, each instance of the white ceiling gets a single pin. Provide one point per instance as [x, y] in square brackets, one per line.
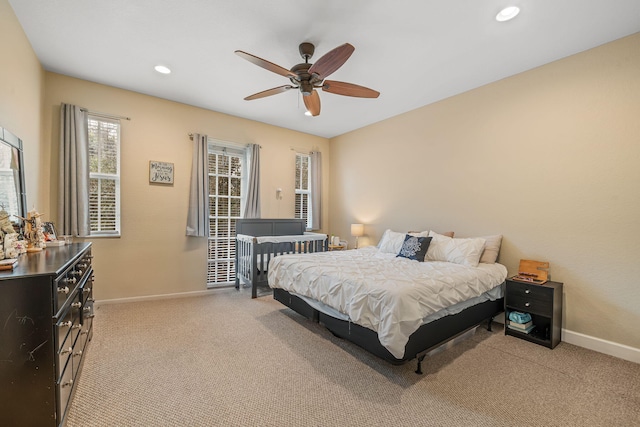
[414, 52]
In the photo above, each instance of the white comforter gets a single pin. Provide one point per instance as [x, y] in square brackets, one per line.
[380, 291]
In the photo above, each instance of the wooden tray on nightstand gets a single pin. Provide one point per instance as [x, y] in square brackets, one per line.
[536, 272]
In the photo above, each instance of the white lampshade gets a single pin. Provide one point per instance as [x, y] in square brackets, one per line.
[357, 230]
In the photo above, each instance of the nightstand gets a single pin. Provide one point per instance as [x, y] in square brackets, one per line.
[543, 303]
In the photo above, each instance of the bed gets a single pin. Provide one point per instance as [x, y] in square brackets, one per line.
[395, 307]
[258, 241]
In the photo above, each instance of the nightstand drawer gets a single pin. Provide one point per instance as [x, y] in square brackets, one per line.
[530, 292]
[530, 305]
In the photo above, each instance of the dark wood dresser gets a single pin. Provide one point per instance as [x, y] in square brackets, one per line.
[46, 312]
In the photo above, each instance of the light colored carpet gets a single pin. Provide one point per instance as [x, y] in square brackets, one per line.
[228, 360]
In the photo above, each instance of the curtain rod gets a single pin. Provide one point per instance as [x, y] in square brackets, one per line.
[302, 150]
[108, 116]
[191, 138]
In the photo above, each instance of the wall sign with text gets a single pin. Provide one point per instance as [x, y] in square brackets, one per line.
[160, 172]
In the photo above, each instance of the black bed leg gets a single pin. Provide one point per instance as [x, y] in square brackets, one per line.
[489, 323]
[420, 359]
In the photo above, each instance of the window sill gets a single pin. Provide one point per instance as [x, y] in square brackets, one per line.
[102, 236]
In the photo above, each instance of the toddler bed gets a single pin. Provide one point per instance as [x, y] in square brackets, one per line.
[258, 241]
[394, 307]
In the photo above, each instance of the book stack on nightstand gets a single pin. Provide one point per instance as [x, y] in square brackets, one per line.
[520, 322]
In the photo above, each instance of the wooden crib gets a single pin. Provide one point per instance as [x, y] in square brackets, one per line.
[259, 240]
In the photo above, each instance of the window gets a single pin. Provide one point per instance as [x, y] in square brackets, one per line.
[303, 188]
[226, 202]
[104, 175]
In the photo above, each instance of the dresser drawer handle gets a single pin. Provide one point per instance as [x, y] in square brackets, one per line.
[77, 353]
[526, 304]
[76, 304]
[71, 280]
[66, 350]
[67, 384]
[64, 290]
[86, 290]
[66, 324]
[527, 291]
[90, 316]
[76, 326]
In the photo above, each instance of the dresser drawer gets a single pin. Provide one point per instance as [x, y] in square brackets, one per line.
[64, 387]
[63, 354]
[63, 327]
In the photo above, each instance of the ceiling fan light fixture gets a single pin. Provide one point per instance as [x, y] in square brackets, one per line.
[162, 69]
[507, 13]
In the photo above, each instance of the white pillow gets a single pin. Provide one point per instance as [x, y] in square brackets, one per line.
[391, 241]
[460, 251]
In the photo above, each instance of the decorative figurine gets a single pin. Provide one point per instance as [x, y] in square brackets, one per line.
[33, 231]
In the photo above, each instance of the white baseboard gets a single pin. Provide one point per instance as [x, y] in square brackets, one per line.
[611, 348]
[158, 297]
[614, 349]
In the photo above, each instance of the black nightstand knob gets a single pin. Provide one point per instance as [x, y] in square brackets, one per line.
[527, 291]
[526, 304]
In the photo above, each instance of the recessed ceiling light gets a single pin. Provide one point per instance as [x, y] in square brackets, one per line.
[162, 69]
[507, 13]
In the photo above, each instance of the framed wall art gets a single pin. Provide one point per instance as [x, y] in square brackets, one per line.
[160, 172]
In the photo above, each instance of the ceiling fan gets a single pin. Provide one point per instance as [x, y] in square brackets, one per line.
[309, 77]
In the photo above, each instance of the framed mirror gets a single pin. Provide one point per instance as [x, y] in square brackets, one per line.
[13, 197]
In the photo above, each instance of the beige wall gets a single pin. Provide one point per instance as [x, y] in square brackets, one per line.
[154, 256]
[549, 158]
[21, 92]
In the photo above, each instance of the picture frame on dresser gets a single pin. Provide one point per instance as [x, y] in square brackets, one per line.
[49, 231]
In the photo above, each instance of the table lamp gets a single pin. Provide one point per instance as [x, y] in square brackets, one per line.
[357, 230]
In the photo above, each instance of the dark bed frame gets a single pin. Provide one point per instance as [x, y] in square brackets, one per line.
[426, 338]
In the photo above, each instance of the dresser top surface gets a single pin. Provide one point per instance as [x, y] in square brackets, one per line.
[49, 261]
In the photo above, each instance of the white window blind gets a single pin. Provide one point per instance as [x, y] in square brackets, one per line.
[104, 175]
[226, 204]
[303, 188]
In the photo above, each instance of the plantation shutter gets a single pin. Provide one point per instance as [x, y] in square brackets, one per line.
[303, 190]
[104, 175]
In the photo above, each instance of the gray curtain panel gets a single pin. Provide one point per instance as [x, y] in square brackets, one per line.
[198, 213]
[316, 190]
[252, 206]
[73, 185]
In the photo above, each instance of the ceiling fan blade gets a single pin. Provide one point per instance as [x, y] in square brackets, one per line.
[331, 61]
[349, 89]
[312, 102]
[269, 92]
[265, 64]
